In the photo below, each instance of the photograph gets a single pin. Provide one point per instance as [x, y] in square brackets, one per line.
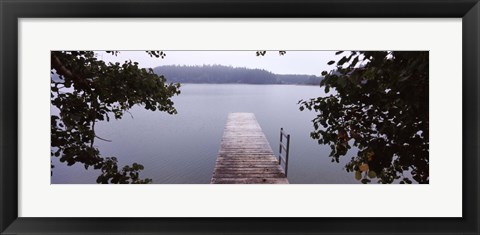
[239, 117]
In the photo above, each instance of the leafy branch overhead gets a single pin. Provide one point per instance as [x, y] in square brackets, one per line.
[86, 90]
[376, 101]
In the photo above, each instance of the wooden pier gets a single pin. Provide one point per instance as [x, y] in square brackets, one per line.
[245, 156]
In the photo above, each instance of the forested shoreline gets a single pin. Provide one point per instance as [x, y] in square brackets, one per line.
[227, 74]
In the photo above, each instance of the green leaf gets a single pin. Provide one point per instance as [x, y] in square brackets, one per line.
[341, 82]
[354, 62]
[342, 61]
[358, 175]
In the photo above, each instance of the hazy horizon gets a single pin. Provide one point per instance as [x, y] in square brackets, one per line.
[293, 62]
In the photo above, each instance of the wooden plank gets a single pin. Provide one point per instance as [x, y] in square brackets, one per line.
[266, 160]
[262, 155]
[249, 169]
[246, 170]
[245, 161]
[244, 152]
[249, 181]
[249, 175]
[246, 165]
[245, 156]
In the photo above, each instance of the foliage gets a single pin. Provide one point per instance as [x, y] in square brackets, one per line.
[215, 74]
[298, 79]
[377, 102]
[262, 53]
[85, 90]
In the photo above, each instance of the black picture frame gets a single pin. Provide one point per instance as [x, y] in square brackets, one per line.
[12, 10]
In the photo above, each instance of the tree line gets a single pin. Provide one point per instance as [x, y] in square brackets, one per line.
[229, 74]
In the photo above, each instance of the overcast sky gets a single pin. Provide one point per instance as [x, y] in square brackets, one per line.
[293, 62]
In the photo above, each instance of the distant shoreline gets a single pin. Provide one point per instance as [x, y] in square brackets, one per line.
[219, 74]
[255, 84]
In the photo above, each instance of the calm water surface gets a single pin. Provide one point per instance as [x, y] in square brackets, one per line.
[182, 148]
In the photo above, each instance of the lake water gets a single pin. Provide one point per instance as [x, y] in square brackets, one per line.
[182, 148]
